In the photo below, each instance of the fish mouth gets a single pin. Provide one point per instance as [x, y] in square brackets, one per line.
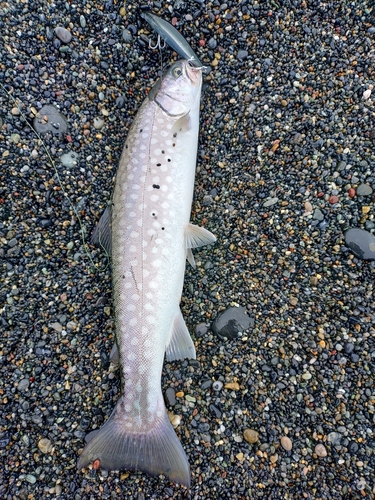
[193, 72]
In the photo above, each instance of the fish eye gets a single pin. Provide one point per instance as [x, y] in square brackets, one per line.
[176, 72]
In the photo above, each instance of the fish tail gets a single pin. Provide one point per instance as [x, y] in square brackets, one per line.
[156, 450]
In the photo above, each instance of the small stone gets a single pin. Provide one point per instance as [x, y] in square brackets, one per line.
[320, 450]
[293, 301]
[15, 111]
[30, 478]
[333, 199]
[63, 34]
[82, 21]
[251, 436]
[23, 384]
[306, 376]
[174, 419]
[364, 190]
[170, 396]
[361, 242]
[240, 456]
[318, 215]
[308, 206]
[57, 327]
[231, 322]
[270, 202]
[334, 438]
[351, 192]
[286, 443]
[45, 445]
[274, 458]
[366, 209]
[233, 386]
[217, 385]
[98, 123]
[242, 54]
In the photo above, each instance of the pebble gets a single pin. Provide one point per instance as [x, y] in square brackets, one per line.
[23, 384]
[231, 322]
[361, 243]
[63, 34]
[270, 202]
[364, 190]
[251, 436]
[217, 385]
[320, 450]
[45, 445]
[69, 159]
[49, 119]
[99, 123]
[286, 443]
[170, 396]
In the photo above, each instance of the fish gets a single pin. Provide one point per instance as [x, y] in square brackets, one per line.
[172, 37]
[147, 231]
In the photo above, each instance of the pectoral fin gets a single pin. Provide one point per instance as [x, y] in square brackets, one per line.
[102, 235]
[180, 345]
[196, 236]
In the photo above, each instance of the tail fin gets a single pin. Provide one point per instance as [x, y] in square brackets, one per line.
[154, 451]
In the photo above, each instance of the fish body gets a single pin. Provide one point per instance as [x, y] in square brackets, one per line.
[151, 239]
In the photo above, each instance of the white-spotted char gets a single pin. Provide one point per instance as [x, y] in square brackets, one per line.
[151, 239]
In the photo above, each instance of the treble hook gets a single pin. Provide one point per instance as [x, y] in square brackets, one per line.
[157, 45]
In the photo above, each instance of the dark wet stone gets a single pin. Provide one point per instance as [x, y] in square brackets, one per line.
[349, 347]
[231, 322]
[353, 447]
[242, 54]
[49, 119]
[104, 358]
[361, 242]
[45, 222]
[201, 329]
[120, 101]
[215, 411]
[127, 36]
[4, 440]
[170, 396]
[354, 358]
[64, 35]
[206, 384]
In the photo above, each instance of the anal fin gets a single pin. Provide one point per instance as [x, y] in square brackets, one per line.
[102, 235]
[196, 236]
[180, 345]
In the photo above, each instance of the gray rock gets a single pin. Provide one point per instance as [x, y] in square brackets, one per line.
[231, 322]
[63, 34]
[361, 242]
[364, 190]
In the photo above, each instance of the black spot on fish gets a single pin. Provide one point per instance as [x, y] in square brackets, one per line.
[162, 151]
[140, 130]
[169, 159]
[153, 214]
[175, 134]
[174, 144]
[162, 228]
[156, 186]
[126, 146]
[158, 164]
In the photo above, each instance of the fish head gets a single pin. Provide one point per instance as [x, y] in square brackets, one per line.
[178, 90]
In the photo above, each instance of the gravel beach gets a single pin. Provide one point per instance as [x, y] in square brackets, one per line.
[280, 403]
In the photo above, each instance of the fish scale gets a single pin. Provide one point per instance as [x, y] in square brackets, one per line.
[151, 239]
